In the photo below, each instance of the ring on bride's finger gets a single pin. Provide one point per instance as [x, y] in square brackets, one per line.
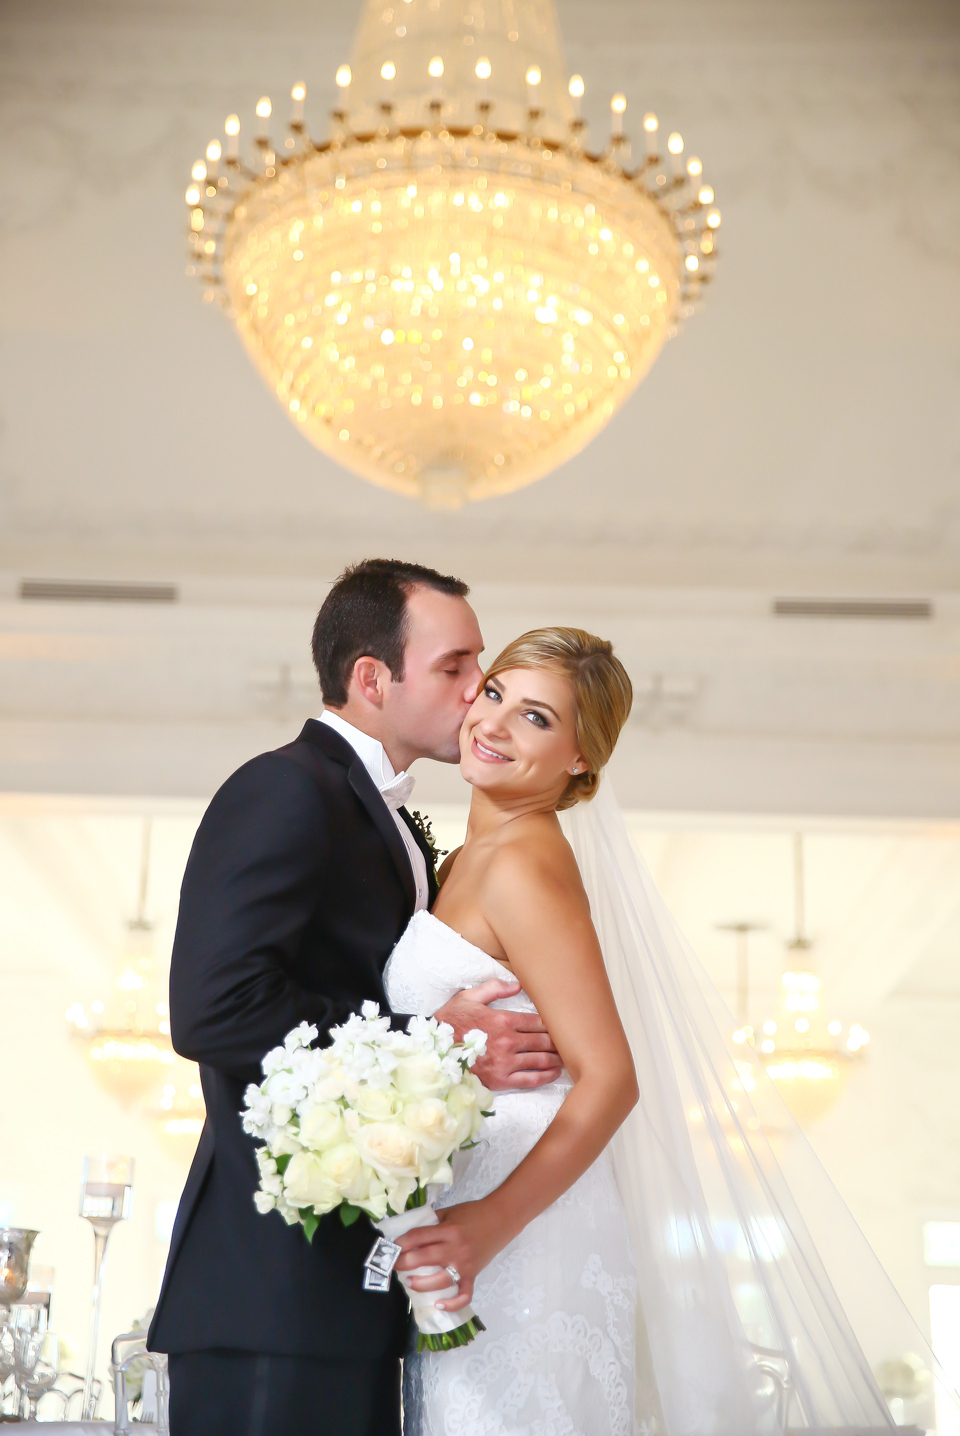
[454, 1274]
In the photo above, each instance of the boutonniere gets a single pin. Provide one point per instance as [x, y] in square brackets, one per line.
[426, 831]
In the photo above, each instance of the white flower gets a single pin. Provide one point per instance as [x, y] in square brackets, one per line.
[272, 1183]
[420, 1075]
[370, 1010]
[284, 1086]
[329, 1086]
[265, 1162]
[281, 1115]
[285, 1143]
[301, 1036]
[344, 1170]
[377, 1104]
[306, 1184]
[433, 1128]
[474, 1045]
[322, 1126]
[389, 1149]
[399, 1192]
[263, 1202]
[275, 1059]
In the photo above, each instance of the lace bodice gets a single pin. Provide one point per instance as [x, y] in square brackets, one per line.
[559, 1302]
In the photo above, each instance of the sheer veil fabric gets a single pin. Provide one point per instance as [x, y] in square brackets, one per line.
[763, 1306]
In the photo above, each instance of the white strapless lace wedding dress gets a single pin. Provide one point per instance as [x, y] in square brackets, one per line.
[559, 1303]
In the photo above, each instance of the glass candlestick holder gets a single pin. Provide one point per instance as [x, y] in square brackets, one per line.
[106, 1197]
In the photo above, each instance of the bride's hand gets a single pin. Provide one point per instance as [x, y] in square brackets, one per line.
[467, 1237]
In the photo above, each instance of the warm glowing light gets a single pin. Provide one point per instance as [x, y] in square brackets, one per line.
[231, 125]
[706, 195]
[651, 124]
[713, 219]
[675, 144]
[192, 195]
[769, 1027]
[802, 1024]
[264, 107]
[393, 285]
[834, 1028]
[199, 170]
[768, 1046]
[214, 151]
[694, 167]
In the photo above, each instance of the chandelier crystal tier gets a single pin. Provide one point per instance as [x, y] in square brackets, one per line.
[451, 295]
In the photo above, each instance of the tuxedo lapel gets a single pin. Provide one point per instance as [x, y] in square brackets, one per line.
[366, 790]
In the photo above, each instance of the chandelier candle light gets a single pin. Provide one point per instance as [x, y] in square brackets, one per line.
[451, 294]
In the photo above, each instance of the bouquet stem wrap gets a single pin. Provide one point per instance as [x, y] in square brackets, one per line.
[436, 1330]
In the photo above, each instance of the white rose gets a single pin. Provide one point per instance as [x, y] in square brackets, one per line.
[281, 1114]
[377, 1105]
[322, 1126]
[307, 1185]
[343, 1169]
[434, 1128]
[388, 1148]
[264, 1202]
[330, 1086]
[419, 1075]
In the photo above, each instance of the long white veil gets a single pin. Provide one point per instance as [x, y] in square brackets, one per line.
[764, 1308]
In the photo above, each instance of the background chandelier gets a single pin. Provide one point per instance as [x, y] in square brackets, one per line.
[127, 1031]
[806, 1055]
[451, 295]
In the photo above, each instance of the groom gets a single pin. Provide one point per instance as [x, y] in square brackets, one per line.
[304, 872]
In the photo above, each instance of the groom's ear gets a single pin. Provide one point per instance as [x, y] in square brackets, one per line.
[369, 680]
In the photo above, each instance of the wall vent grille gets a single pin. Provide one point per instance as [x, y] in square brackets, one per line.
[59, 590]
[853, 608]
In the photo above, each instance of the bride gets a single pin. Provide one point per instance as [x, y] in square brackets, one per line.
[651, 1244]
[535, 1229]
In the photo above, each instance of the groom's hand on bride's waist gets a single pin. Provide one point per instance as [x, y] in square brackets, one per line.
[519, 1052]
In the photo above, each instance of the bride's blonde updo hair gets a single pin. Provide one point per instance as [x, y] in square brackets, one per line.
[602, 693]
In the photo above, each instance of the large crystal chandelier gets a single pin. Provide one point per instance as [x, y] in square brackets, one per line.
[451, 294]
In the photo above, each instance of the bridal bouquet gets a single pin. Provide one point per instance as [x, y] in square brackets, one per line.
[367, 1125]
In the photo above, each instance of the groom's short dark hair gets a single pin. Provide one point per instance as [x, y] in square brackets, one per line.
[365, 615]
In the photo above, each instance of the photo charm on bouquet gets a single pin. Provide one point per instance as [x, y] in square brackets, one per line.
[369, 1124]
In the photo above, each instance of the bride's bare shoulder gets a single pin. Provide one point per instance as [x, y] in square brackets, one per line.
[534, 860]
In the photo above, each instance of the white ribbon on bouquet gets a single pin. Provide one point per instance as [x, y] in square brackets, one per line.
[429, 1318]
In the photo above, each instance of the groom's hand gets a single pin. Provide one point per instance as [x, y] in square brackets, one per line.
[520, 1052]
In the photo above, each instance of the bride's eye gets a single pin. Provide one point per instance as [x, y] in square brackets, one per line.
[537, 719]
[491, 693]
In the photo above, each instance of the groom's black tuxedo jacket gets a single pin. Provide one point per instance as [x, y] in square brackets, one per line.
[297, 887]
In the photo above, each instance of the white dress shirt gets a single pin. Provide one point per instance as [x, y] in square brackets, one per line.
[371, 753]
